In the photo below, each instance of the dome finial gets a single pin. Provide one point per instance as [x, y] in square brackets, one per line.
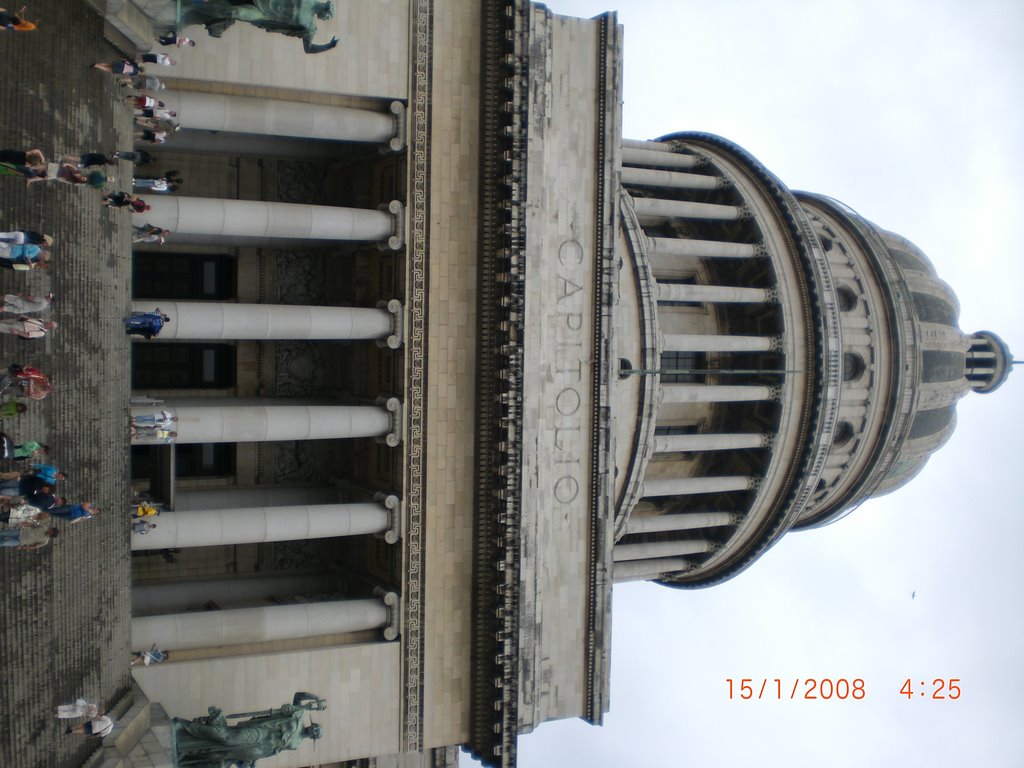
[988, 362]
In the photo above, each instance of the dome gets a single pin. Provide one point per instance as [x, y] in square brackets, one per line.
[934, 363]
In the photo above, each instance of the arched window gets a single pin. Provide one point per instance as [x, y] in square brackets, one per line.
[853, 366]
[843, 435]
[846, 298]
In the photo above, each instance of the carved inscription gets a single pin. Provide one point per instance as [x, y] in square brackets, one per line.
[570, 365]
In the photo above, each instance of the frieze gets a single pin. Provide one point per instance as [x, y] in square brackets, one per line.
[417, 222]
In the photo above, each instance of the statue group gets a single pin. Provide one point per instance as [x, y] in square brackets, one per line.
[296, 18]
[210, 742]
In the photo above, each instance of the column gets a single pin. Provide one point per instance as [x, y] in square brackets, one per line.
[716, 343]
[714, 393]
[274, 117]
[651, 177]
[687, 486]
[682, 522]
[182, 596]
[218, 218]
[253, 496]
[651, 210]
[656, 549]
[677, 246]
[181, 631]
[720, 294]
[257, 525]
[708, 442]
[656, 157]
[642, 570]
[216, 423]
[227, 320]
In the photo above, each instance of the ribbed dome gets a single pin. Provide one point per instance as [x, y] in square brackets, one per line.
[934, 363]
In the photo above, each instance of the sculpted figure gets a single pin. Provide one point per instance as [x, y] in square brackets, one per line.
[296, 18]
[210, 742]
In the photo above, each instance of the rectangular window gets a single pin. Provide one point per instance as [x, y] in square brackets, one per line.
[166, 365]
[185, 276]
[683, 367]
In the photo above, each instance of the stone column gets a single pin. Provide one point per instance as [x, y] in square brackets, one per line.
[682, 522]
[253, 496]
[658, 549]
[707, 442]
[237, 626]
[642, 570]
[227, 320]
[257, 525]
[714, 393]
[716, 343]
[651, 210]
[687, 486]
[656, 157]
[651, 177]
[182, 596]
[216, 423]
[242, 114]
[217, 219]
[719, 294]
[712, 249]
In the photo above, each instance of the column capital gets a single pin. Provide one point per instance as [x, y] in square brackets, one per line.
[393, 341]
[394, 407]
[396, 513]
[397, 239]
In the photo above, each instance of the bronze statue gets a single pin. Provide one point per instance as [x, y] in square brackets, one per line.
[296, 18]
[209, 742]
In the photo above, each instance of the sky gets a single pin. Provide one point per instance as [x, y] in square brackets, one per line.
[910, 112]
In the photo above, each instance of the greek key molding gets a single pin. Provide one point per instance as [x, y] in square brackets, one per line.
[418, 224]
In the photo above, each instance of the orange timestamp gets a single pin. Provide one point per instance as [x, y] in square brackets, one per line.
[941, 689]
[807, 688]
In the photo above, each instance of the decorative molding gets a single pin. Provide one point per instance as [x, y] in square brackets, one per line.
[417, 221]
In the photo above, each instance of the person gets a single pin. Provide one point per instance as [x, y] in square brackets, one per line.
[141, 527]
[24, 303]
[48, 472]
[70, 174]
[80, 708]
[135, 156]
[15, 22]
[45, 499]
[158, 58]
[150, 234]
[120, 67]
[145, 83]
[30, 449]
[153, 137]
[156, 185]
[148, 324]
[118, 199]
[26, 237]
[28, 537]
[26, 327]
[11, 409]
[174, 177]
[153, 656]
[145, 101]
[170, 38]
[25, 381]
[75, 513]
[163, 420]
[24, 485]
[153, 433]
[145, 509]
[28, 157]
[99, 726]
[89, 159]
[20, 256]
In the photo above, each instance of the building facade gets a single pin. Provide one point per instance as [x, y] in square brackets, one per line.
[448, 357]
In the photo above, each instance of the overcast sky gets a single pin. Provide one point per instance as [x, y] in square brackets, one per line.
[910, 112]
